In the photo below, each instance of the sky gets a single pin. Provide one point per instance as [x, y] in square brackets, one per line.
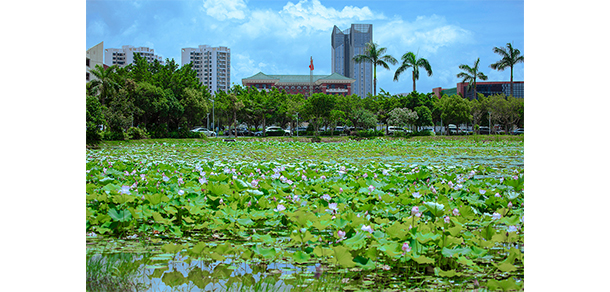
[280, 36]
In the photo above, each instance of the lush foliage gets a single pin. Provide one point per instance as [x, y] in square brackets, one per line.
[428, 214]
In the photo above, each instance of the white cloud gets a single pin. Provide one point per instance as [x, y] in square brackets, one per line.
[426, 34]
[225, 9]
[98, 28]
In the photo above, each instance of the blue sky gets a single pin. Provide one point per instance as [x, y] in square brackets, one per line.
[279, 36]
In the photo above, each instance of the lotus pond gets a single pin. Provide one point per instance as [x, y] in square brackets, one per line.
[372, 215]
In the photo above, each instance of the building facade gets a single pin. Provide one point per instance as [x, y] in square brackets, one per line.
[347, 44]
[485, 88]
[95, 56]
[124, 56]
[300, 84]
[213, 66]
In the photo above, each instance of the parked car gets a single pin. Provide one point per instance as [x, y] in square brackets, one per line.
[273, 131]
[484, 130]
[205, 131]
[518, 131]
[453, 129]
[392, 130]
[242, 132]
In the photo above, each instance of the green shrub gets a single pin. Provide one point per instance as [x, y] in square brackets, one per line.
[134, 133]
[424, 133]
[113, 135]
[370, 133]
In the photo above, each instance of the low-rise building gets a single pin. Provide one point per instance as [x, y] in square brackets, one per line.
[95, 56]
[486, 88]
[302, 84]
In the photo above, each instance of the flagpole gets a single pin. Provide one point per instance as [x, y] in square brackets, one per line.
[311, 78]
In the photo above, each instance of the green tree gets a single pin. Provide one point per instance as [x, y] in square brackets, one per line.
[471, 74]
[401, 117]
[195, 106]
[478, 109]
[94, 119]
[375, 55]
[410, 60]
[318, 107]
[424, 116]
[454, 110]
[235, 104]
[105, 85]
[510, 57]
[506, 110]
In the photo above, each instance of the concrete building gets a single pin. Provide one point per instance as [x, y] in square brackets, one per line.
[95, 56]
[213, 66]
[300, 84]
[347, 44]
[486, 88]
[124, 56]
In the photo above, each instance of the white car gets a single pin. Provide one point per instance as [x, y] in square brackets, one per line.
[205, 131]
[392, 130]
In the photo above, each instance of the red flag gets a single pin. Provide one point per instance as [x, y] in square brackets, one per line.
[311, 64]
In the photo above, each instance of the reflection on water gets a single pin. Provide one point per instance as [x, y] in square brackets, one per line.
[180, 273]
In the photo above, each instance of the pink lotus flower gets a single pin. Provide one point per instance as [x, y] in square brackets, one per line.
[371, 188]
[333, 206]
[340, 190]
[221, 202]
[416, 195]
[125, 190]
[512, 228]
[384, 172]
[254, 183]
[415, 210]
[365, 175]
[326, 197]
[447, 219]
[456, 212]
[510, 204]
[497, 195]
[367, 228]
[341, 234]
[203, 180]
[496, 216]
[406, 247]
[279, 208]
[249, 204]
[181, 192]
[165, 178]
[482, 192]
[323, 177]
[180, 181]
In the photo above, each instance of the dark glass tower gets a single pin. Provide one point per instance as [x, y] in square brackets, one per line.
[347, 44]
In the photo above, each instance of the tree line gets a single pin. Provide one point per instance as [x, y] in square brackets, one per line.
[166, 101]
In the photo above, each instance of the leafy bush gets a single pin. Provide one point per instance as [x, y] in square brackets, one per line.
[137, 133]
[113, 135]
[424, 133]
[370, 133]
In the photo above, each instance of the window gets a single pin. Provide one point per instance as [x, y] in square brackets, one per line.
[87, 74]
[88, 65]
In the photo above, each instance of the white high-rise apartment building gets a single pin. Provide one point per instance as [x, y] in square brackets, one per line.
[124, 56]
[213, 66]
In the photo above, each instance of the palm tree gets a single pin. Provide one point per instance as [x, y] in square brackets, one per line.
[105, 83]
[510, 57]
[410, 60]
[376, 56]
[471, 74]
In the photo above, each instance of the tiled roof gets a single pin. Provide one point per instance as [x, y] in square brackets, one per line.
[298, 78]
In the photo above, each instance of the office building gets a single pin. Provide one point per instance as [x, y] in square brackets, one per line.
[347, 44]
[124, 56]
[213, 66]
[300, 84]
[486, 88]
[95, 56]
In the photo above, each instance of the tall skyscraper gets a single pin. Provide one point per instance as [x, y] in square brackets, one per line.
[347, 44]
[213, 66]
[124, 56]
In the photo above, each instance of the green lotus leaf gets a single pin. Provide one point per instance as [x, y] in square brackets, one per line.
[364, 263]
[174, 279]
[446, 274]
[172, 248]
[300, 257]
[455, 251]
[357, 241]
[424, 238]
[504, 285]
[322, 251]
[120, 215]
[421, 259]
[436, 209]
[268, 253]
[342, 256]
